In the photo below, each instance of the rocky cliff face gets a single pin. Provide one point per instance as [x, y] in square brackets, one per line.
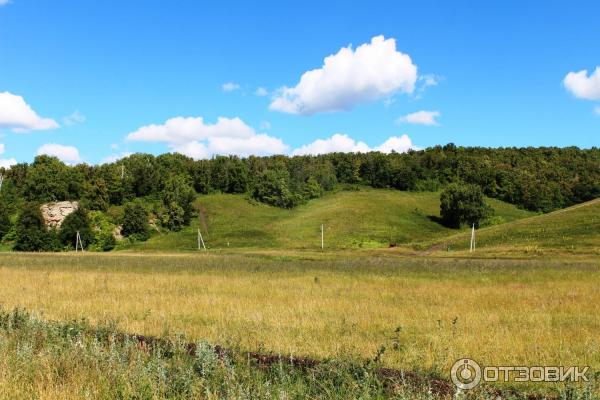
[55, 213]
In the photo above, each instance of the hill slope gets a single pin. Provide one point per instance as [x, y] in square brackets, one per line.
[573, 229]
[366, 218]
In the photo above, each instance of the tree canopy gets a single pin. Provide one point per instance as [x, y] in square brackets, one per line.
[463, 204]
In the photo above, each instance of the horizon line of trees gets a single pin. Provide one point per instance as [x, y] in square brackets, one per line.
[537, 179]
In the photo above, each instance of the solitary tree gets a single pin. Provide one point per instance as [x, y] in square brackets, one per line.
[272, 187]
[31, 233]
[463, 204]
[77, 221]
[178, 199]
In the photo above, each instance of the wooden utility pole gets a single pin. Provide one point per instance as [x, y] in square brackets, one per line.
[78, 242]
[472, 248]
[322, 238]
[1, 180]
[201, 240]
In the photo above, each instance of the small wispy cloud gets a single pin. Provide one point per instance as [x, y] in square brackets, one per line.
[427, 118]
[4, 2]
[230, 86]
[74, 118]
[261, 92]
[597, 110]
[430, 80]
[115, 157]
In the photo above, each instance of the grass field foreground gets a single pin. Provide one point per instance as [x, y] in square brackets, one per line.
[427, 313]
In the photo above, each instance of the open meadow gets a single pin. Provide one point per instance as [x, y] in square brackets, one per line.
[418, 314]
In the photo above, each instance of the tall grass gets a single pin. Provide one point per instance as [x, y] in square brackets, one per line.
[75, 360]
[427, 313]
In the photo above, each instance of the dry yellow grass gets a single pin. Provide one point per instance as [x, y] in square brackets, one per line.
[497, 312]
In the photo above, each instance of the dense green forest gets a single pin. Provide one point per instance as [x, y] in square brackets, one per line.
[537, 179]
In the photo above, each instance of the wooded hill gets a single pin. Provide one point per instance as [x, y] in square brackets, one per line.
[164, 190]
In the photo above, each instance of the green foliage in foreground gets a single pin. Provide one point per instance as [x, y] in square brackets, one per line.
[40, 356]
[44, 359]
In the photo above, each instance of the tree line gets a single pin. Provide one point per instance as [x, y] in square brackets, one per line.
[537, 179]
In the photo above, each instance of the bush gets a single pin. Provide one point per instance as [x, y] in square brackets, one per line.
[135, 221]
[311, 189]
[272, 188]
[463, 204]
[103, 230]
[178, 203]
[172, 217]
[31, 233]
[77, 221]
[106, 241]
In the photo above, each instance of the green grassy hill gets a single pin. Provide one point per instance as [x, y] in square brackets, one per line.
[574, 229]
[366, 218]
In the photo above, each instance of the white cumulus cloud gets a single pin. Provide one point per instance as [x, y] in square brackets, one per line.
[67, 154]
[582, 85]
[375, 70]
[342, 143]
[420, 118]
[7, 163]
[338, 143]
[230, 87]
[193, 137]
[17, 115]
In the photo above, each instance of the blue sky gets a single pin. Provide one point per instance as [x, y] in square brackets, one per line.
[92, 81]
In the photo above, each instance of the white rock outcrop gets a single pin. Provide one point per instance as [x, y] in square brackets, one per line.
[55, 213]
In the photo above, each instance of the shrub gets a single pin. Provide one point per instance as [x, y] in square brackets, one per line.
[103, 229]
[135, 221]
[272, 188]
[311, 189]
[463, 204]
[31, 233]
[178, 200]
[106, 241]
[77, 221]
[172, 217]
